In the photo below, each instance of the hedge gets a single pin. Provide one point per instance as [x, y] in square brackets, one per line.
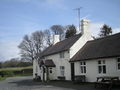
[9, 73]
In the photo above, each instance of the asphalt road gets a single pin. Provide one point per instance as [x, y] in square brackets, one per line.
[26, 83]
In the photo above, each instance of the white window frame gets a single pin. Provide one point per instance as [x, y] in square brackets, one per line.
[62, 70]
[102, 65]
[62, 55]
[118, 63]
[83, 67]
[50, 70]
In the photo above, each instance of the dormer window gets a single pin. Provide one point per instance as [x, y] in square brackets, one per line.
[62, 55]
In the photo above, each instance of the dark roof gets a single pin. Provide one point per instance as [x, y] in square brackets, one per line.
[61, 46]
[47, 63]
[99, 48]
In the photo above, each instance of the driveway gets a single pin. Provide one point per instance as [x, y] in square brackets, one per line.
[26, 83]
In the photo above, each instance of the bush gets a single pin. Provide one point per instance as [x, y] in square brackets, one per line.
[6, 73]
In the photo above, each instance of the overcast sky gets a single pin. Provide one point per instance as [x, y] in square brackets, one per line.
[20, 17]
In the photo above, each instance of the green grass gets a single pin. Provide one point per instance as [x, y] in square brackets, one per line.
[2, 78]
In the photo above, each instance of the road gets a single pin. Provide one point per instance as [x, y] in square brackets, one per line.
[26, 83]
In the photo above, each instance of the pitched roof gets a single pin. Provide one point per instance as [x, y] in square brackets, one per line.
[49, 63]
[99, 48]
[61, 46]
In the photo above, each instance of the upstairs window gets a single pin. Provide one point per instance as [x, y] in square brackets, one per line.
[101, 67]
[83, 67]
[118, 63]
[62, 55]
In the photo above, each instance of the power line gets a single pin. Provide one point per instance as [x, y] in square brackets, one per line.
[78, 9]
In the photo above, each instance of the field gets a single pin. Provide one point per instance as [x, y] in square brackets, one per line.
[17, 71]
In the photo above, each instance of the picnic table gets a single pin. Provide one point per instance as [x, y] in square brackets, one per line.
[106, 80]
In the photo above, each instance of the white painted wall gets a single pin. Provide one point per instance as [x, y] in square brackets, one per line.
[36, 68]
[60, 62]
[79, 44]
[73, 50]
[92, 69]
[56, 38]
[86, 36]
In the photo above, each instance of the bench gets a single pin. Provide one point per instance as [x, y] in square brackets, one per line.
[61, 77]
[79, 78]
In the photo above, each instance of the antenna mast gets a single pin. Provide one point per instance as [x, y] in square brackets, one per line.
[78, 9]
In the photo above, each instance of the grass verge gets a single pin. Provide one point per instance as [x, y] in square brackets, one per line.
[2, 78]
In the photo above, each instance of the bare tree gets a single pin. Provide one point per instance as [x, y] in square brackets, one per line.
[58, 30]
[26, 46]
[47, 37]
[38, 43]
[31, 46]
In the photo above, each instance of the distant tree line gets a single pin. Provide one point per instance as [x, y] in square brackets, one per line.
[14, 62]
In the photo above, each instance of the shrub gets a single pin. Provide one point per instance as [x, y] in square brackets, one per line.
[6, 73]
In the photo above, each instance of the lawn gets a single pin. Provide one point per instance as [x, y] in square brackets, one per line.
[2, 78]
[17, 71]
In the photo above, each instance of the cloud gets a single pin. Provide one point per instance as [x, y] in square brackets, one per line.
[8, 50]
[95, 28]
[116, 30]
[51, 4]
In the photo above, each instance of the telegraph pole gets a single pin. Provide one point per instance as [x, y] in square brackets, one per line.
[78, 9]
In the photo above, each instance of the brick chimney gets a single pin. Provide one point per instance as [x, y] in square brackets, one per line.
[56, 38]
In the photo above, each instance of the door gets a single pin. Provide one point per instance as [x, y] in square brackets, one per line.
[43, 73]
[72, 72]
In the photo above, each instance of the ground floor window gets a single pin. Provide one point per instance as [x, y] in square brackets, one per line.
[62, 70]
[50, 70]
[83, 67]
[101, 67]
[118, 63]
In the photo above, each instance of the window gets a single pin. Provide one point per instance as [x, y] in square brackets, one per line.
[36, 69]
[101, 67]
[62, 70]
[83, 67]
[118, 63]
[62, 55]
[50, 70]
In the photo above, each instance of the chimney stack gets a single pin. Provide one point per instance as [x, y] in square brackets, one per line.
[85, 26]
[56, 38]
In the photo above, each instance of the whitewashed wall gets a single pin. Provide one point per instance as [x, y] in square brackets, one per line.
[60, 62]
[36, 68]
[92, 69]
[79, 44]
